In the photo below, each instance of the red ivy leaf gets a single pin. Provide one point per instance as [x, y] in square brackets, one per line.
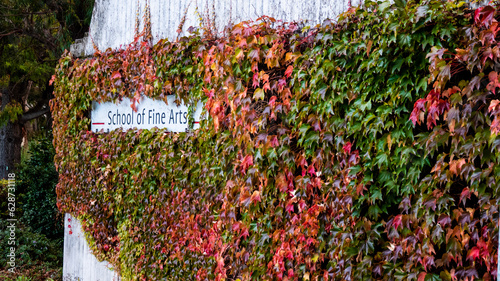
[494, 109]
[247, 31]
[274, 141]
[397, 221]
[494, 106]
[465, 194]
[484, 15]
[281, 84]
[272, 101]
[418, 107]
[495, 126]
[255, 197]
[255, 80]
[236, 226]
[209, 93]
[311, 170]
[289, 71]
[52, 80]
[360, 188]
[247, 162]
[244, 232]
[302, 205]
[116, 75]
[473, 254]
[254, 54]
[237, 30]
[347, 147]
[266, 87]
[437, 108]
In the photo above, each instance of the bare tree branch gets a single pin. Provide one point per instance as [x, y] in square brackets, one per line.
[10, 33]
[33, 115]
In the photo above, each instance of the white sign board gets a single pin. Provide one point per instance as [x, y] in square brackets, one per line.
[150, 113]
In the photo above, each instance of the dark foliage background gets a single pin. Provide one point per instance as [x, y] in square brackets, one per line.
[37, 180]
[39, 229]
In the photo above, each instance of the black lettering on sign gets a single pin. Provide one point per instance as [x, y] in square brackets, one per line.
[171, 120]
[157, 118]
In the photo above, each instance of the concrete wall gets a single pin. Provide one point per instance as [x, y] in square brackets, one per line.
[79, 263]
[112, 26]
[113, 21]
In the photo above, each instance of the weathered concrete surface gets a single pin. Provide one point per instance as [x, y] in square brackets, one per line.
[78, 48]
[79, 263]
[113, 21]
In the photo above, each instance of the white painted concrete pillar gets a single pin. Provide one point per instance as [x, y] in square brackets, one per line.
[79, 263]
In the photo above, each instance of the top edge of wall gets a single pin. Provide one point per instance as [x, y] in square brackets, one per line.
[113, 21]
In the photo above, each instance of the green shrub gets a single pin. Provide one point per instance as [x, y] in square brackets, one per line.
[31, 248]
[37, 180]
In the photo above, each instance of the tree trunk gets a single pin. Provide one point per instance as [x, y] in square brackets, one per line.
[10, 148]
[11, 134]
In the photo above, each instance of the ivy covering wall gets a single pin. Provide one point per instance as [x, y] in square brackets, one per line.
[362, 149]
